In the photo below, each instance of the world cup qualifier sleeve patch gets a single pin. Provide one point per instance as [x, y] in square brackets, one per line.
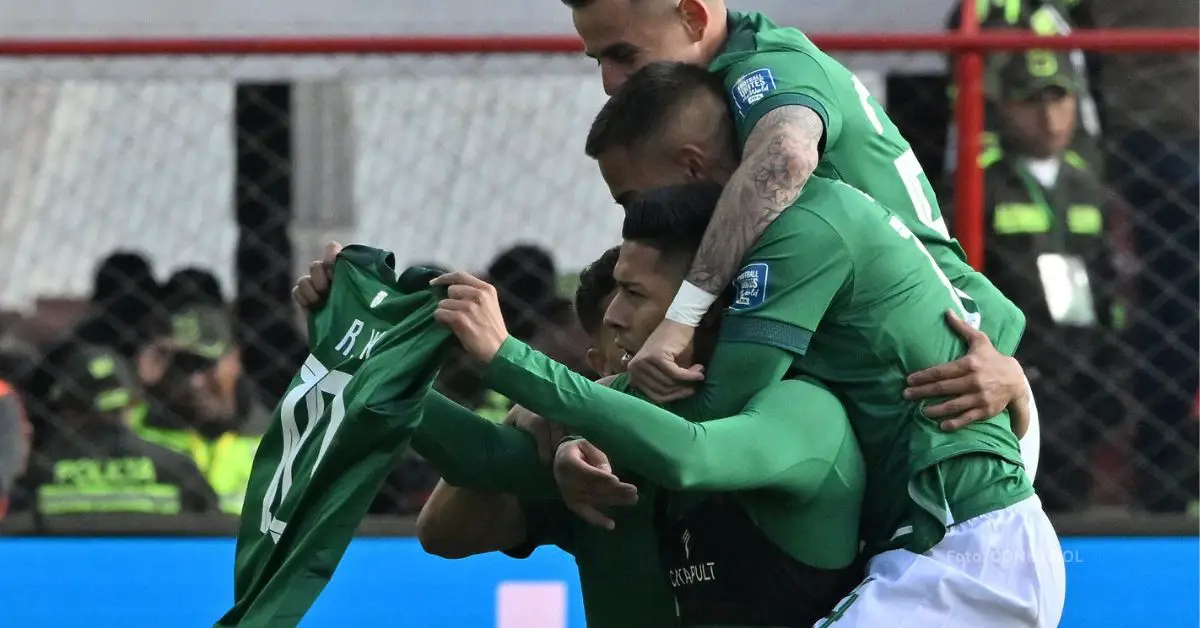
[751, 88]
[750, 287]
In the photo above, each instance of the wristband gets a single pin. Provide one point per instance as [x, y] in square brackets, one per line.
[690, 305]
[566, 439]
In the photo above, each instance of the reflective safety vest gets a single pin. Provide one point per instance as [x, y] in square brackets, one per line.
[86, 486]
[225, 460]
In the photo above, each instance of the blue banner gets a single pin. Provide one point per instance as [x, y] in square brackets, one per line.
[95, 583]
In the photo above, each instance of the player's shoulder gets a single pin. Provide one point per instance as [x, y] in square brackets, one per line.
[830, 203]
[800, 394]
[754, 33]
[810, 402]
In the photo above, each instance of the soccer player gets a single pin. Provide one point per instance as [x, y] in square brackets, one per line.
[669, 125]
[797, 112]
[754, 531]
[496, 495]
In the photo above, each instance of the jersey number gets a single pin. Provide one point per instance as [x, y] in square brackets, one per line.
[907, 167]
[316, 381]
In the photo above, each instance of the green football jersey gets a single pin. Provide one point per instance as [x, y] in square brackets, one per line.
[846, 284]
[338, 431]
[620, 575]
[765, 67]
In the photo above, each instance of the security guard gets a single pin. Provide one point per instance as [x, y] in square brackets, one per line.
[195, 407]
[1048, 249]
[1049, 18]
[95, 463]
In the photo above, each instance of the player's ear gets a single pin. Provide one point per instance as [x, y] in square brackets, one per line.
[596, 361]
[696, 18]
[692, 160]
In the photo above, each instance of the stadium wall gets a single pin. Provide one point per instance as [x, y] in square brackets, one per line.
[1111, 582]
[113, 18]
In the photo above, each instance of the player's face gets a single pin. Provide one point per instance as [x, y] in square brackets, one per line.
[1043, 125]
[646, 284]
[622, 37]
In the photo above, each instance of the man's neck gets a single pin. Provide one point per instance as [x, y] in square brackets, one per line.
[713, 44]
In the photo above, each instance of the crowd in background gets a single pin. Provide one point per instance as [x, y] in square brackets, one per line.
[142, 406]
[1091, 217]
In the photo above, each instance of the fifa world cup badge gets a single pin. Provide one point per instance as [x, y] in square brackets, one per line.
[750, 287]
[751, 88]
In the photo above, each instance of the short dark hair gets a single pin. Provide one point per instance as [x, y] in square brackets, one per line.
[192, 286]
[647, 103]
[596, 283]
[671, 219]
[124, 274]
[526, 279]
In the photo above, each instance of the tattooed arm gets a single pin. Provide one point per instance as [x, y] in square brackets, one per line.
[780, 153]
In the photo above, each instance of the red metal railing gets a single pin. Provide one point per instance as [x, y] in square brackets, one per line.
[969, 43]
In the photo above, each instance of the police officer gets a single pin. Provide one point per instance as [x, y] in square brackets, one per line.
[195, 404]
[1049, 18]
[1048, 248]
[95, 463]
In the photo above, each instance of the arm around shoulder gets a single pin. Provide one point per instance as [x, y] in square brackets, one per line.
[781, 152]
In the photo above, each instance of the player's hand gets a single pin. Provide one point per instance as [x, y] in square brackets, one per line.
[981, 384]
[311, 290]
[654, 370]
[547, 434]
[587, 483]
[472, 310]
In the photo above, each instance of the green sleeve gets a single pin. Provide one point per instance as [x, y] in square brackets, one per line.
[763, 82]
[766, 445]
[736, 372]
[473, 452]
[795, 273]
[547, 522]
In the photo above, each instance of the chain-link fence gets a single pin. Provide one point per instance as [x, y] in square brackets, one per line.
[160, 204]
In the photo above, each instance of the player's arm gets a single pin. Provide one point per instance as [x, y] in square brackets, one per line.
[780, 154]
[786, 115]
[764, 446]
[802, 268]
[458, 522]
[473, 452]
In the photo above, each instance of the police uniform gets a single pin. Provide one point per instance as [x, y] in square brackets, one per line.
[96, 464]
[1048, 249]
[200, 337]
[1050, 18]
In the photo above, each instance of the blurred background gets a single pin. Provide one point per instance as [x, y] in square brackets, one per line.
[158, 199]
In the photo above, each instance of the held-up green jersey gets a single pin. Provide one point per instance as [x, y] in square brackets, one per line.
[849, 288]
[346, 417]
[765, 67]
